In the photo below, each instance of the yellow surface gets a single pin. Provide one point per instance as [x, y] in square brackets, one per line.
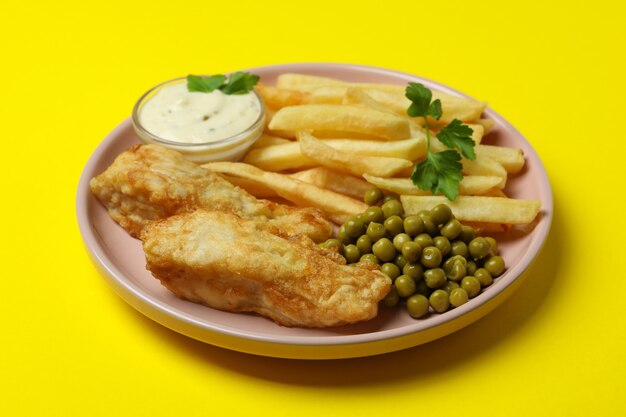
[73, 70]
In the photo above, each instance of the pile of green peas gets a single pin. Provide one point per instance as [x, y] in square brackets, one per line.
[434, 262]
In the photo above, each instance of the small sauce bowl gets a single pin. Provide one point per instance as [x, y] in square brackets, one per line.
[231, 148]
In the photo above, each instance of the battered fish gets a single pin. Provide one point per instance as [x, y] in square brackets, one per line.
[230, 263]
[150, 182]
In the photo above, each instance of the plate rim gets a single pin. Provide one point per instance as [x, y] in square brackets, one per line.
[97, 253]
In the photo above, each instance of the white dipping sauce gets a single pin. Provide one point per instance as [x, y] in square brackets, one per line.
[177, 115]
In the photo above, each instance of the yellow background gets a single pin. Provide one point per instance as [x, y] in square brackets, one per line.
[71, 71]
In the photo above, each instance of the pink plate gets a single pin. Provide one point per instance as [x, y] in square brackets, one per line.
[121, 261]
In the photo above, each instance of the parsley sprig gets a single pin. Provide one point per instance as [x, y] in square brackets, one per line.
[440, 172]
[236, 83]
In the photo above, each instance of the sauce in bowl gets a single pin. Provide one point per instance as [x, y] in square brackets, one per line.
[203, 126]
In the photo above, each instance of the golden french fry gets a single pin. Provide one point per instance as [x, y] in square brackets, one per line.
[334, 181]
[358, 97]
[483, 228]
[277, 98]
[487, 124]
[483, 165]
[511, 159]
[253, 187]
[357, 165]
[289, 155]
[470, 185]
[305, 82]
[478, 131]
[267, 140]
[279, 157]
[478, 209]
[332, 117]
[337, 207]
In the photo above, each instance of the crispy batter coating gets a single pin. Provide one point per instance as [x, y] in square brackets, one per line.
[150, 182]
[231, 263]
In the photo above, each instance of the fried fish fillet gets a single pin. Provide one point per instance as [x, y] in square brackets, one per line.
[150, 182]
[230, 263]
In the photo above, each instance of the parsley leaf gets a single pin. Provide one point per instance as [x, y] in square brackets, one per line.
[240, 83]
[199, 84]
[457, 135]
[440, 173]
[236, 83]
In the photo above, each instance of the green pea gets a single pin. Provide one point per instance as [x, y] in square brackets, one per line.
[471, 285]
[439, 301]
[495, 265]
[430, 227]
[373, 196]
[424, 240]
[351, 253]
[440, 214]
[342, 236]
[354, 227]
[484, 277]
[467, 234]
[392, 208]
[333, 245]
[413, 225]
[431, 257]
[394, 225]
[434, 278]
[411, 251]
[376, 231]
[400, 261]
[373, 214]
[414, 270]
[451, 229]
[458, 297]
[423, 214]
[400, 239]
[405, 285]
[391, 270]
[449, 286]
[443, 244]
[392, 298]
[384, 250]
[459, 247]
[390, 196]
[493, 244]
[369, 257]
[455, 267]
[471, 268]
[417, 306]
[479, 248]
[364, 244]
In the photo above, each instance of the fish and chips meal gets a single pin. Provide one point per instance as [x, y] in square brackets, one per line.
[356, 196]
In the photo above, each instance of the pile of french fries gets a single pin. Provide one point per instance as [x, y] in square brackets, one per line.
[327, 142]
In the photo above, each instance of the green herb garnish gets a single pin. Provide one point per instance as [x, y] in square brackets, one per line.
[236, 83]
[440, 172]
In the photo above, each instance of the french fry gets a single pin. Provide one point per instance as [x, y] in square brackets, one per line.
[478, 209]
[305, 82]
[511, 159]
[357, 96]
[484, 165]
[331, 117]
[267, 140]
[337, 207]
[253, 187]
[357, 165]
[487, 124]
[478, 131]
[334, 181]
[288, 155]
[470, 185]
[277, 98]
[279, 157]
